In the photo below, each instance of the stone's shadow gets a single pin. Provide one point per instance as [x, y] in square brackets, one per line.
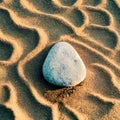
[33, 72]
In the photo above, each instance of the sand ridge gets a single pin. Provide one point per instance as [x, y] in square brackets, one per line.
[29, 28]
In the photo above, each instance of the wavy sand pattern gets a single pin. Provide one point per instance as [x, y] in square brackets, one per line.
[28, 29]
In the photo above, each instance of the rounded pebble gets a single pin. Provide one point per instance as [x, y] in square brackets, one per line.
[63, 66]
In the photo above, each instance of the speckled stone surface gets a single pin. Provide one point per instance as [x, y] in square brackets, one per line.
[63, 66]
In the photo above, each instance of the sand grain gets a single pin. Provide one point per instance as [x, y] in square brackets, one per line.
[29, 28]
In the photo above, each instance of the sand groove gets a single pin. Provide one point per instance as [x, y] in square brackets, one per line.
[98, 16]
[104, 35]
[3, 50]
[29, 28]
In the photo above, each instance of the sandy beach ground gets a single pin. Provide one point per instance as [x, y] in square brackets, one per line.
[29, 28]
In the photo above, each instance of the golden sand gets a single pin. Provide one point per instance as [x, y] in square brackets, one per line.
[28, 29]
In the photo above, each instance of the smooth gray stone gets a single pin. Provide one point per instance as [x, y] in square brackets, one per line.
[63, 66]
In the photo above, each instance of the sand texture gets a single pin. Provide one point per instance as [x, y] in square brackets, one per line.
[29, 28]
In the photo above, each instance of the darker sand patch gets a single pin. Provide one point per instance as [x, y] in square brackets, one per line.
[102, 35]
[91, 2]
[29, 37]
[5, 51]
[68, 2]
[75, 16]
[98, 17]
[46, 6]
[103, 108]
[66, 112]
[4, 94]
[102, 83]
[26, 99]
[6, 113]
[96, 44]
[114, 9]
[117, 56]
[1, 1]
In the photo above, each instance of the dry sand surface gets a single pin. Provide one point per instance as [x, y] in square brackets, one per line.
[28, 29]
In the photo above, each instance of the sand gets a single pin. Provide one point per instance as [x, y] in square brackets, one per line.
[29, 28]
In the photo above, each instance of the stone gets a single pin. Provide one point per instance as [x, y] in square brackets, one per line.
[63, 66]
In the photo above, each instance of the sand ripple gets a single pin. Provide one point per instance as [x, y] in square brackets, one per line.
[28, 29]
